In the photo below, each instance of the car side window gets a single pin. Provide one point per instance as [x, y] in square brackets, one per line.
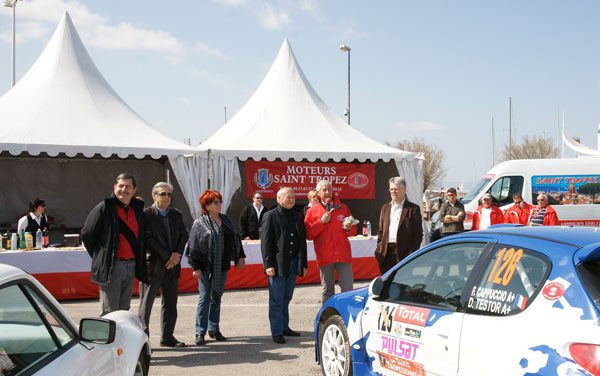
[503, 189]
[26, 337]
[435, 278]
[512, 278]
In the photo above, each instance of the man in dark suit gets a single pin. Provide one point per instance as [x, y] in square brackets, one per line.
[283, 246]
[249, 224]
[400, 227]
[166, 237]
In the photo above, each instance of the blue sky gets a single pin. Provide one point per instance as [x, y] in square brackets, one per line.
[438, 70]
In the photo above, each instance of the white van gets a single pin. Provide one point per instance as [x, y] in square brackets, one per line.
[572, 186]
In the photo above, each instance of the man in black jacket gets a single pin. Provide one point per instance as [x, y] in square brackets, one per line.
[283, 246]
[113, 235]
[166, 236]
[251, 218]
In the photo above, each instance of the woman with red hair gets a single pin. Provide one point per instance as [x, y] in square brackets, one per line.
[213, 244]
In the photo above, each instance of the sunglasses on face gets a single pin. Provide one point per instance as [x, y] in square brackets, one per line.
[163, 194]
[217, 202]
[258, 198]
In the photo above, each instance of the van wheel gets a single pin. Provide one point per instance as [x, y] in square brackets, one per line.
[335, 355]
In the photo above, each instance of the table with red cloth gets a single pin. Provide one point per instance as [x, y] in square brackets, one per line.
[65, 272]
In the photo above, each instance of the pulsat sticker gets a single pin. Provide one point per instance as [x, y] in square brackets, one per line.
[553, 291]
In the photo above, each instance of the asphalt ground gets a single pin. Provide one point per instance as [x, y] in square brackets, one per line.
[249, 349]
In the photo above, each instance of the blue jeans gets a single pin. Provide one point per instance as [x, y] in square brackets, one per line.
[208, 311]
[281, 290]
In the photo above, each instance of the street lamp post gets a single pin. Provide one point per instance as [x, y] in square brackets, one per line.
[12, 4]
[347, 49]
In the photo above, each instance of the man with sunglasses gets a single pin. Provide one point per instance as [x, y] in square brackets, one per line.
[518, 213]
[166, 236]
[543, 214]
[251, 218]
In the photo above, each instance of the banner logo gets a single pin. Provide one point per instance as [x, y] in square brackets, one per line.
[263, 179]
[358, 180]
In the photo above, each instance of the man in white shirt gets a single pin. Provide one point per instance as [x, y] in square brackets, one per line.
[400, 227]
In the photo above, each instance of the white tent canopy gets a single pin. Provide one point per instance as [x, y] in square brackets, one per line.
[285, 118]
[63, 104]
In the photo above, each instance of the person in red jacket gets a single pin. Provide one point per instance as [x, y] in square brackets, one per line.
[487, 214]
[328, 223]
[543, 214]
[519, 212]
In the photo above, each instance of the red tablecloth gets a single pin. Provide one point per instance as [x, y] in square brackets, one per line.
[66, 273]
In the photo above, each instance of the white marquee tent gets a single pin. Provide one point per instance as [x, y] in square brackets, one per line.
[285, 118]
[62, 113]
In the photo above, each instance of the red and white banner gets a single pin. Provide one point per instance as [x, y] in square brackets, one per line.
[350, 180]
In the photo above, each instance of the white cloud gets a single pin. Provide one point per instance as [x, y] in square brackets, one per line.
[419, 126]
[348, 31]
[273, 19]
[36, 20]
[232, 3]
[310, 6]
[210, 51]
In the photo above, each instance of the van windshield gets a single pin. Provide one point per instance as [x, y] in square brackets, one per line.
[476, 189]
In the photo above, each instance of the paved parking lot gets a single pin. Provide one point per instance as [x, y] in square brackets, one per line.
[244, 321]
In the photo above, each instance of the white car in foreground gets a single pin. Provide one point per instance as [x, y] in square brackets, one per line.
[37, 337]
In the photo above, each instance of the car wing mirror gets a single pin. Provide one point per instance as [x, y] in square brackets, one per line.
[97, 330]
[376, 287]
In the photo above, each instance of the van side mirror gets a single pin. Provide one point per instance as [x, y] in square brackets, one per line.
[376, 287]
[97, 330]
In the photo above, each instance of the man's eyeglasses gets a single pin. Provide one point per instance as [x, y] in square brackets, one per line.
[217, 202]
[163, 194]
[258, 198]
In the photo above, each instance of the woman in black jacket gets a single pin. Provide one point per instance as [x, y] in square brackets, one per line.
[212, 246]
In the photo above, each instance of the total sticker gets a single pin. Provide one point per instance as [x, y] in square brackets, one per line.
[553, 291]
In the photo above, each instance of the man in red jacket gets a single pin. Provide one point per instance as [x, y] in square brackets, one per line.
[329, 225]
[543, 214]
[487, 214]
[519, 212]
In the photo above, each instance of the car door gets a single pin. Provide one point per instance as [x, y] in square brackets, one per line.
[500, 327]
[414, 326]
[35, 338]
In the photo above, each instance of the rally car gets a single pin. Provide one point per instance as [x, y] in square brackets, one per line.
[509, 300]
[37, 337]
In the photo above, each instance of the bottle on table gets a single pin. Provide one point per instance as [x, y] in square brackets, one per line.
[364, 228]
[22, 244]
[368, 228]
[45, 238]
[28, 241]
[38, 239]
[14, 242]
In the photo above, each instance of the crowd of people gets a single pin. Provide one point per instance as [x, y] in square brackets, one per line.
[452, 213]
[127, 240]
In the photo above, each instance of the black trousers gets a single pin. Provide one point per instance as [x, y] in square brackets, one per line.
[391, 258]
[168, 282]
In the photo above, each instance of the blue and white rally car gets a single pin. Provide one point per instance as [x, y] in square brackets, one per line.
[504, 301]
[37, 337]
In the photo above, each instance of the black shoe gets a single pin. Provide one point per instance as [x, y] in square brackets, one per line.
[291, 333]
[172, 342]
[278, 339]
[216, 335]
[200, 339]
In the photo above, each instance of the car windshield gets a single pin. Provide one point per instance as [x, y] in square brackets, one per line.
[476, 190]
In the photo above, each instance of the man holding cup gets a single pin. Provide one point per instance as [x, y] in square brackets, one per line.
[329, 223]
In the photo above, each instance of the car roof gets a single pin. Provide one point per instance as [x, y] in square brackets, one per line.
[575, 236]
[10, 273]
